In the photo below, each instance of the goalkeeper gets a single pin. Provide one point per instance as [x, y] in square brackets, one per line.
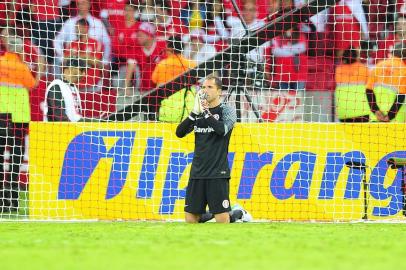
[212, 123]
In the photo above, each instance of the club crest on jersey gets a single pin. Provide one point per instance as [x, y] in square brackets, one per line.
[216, 116]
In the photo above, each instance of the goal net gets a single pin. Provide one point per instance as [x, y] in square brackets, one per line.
[91, 94]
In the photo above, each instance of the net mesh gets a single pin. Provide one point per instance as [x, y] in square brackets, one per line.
[317, 87]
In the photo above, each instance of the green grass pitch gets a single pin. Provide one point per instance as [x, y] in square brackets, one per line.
[149, 245]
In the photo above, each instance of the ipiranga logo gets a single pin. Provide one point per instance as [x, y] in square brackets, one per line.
[84, 153]
[316, 173]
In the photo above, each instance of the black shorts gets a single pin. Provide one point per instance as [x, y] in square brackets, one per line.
[212, 192]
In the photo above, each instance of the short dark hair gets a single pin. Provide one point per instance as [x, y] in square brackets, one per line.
[400, 50]
[217, 81]
[75, 63]
[82, 22]
[175, 43]
[350, 56]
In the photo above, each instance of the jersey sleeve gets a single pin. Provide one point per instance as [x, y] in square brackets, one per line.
[185, 127]
[229, 118]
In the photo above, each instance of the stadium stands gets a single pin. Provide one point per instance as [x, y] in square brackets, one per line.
[350, 23]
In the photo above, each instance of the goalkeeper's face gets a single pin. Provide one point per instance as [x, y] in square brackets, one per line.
[212, 91]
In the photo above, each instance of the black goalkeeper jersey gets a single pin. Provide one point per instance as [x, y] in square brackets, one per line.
[212, 138]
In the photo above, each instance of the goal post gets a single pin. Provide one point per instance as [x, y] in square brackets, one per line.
[91, 93]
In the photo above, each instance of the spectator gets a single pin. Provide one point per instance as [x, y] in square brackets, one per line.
[145, 57]
[351, 77]
[289, 60]
[348, 24]
[15, 82]
[198, 50]
[112, 13]
[124, 42]
[62, 99]
[174, 65]
[167, 25]
[46, 21]
[385, 47]
[13, 69]
[216, 33]
[262, 7]
[90, 51]
[249, 14]
[97, 31]
[125, 36]
[31, 55]
[386, 87]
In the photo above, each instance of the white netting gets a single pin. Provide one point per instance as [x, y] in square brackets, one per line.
[308, 82]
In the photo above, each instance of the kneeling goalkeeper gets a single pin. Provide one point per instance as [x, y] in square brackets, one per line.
[208, 184]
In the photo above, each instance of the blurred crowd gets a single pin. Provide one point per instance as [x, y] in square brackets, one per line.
[131, 46]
